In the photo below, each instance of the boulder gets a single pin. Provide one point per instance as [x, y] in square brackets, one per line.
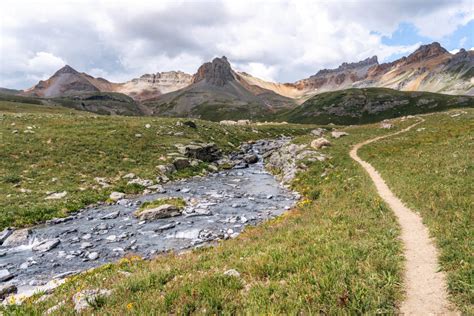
[227, 122]
[251, 158]
[181, 163]
[386, 125]
[318, 132]
[233, 273]
[46, 245]
[337, 134]
[190, 124]
[17, 237]
[5, 275]
[7, 289]
[142, 182]
[86, 298]
[56, 196]
[93, 256]
[4, 234]
[112, 215]
[162, 211]
[320, 142]
[115, 196]
[166, 169]
[205, 152]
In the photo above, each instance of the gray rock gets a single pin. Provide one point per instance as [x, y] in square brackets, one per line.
[337, 134]
[166, 169]
[4, 234]
[165, 227]
[386, 125]
[232, 273]
[205, 152]
[5, 275]
[56, 196]
[84, 299]
[17, 237]
[46, 245]
[142, 182]
[7, 289]
[112, 215]
[87, 236]
[93, 256]
[320, 142]
[115, 196]
[318, 132]
[163, 211]
[181, 163]
[251, 159]
[86, 245]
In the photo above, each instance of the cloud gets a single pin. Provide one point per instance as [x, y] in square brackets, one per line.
[279, 40]
[44, 62]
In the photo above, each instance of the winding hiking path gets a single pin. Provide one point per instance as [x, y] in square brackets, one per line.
[425, 285]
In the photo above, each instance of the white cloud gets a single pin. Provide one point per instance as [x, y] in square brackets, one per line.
[280, 40]
[43, 62]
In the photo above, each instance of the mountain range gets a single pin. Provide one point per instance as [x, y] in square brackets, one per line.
[218, 91]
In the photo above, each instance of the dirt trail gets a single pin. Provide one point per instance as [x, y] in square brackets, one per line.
[425, 285]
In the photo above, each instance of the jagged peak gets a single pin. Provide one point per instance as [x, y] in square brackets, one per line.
[218, 72]
[370, 61]
[66, 70]
[427, 51]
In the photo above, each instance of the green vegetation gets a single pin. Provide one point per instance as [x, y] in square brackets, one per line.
[66, 150]
[104, 103]
[337, 252]
[361, 106]
[431, 169]
[178, 202]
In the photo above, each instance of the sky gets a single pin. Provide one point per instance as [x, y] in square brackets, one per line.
[275, 40]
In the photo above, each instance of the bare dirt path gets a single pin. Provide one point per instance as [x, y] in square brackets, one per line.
[425, 285]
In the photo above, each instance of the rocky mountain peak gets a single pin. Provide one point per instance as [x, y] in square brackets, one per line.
[66, 70]
[425, 52]
[370, 61]
[218, 72]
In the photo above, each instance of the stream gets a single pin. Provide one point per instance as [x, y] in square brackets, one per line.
[219, 206]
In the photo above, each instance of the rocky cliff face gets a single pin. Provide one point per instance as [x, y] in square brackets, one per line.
[151, 86]
[339, 78]
[218, 72]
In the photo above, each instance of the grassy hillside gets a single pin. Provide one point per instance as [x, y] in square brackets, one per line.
[337, 253]
[211, 102]
[64, 150]
[104, 103]
[359, 106]
[431, 169]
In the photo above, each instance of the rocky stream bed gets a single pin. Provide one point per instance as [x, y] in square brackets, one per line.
[219, 206]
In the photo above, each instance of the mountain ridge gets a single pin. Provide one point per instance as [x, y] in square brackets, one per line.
[429, 68]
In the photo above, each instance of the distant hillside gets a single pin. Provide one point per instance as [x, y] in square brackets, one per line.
[217, 93]
[9, 91]
[358, 106]
[105, 103]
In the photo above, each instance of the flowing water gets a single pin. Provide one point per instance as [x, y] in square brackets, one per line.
[219, 206]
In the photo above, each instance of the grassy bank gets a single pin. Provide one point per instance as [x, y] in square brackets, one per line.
[61, 150]
[431, 169]
[336, 253]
